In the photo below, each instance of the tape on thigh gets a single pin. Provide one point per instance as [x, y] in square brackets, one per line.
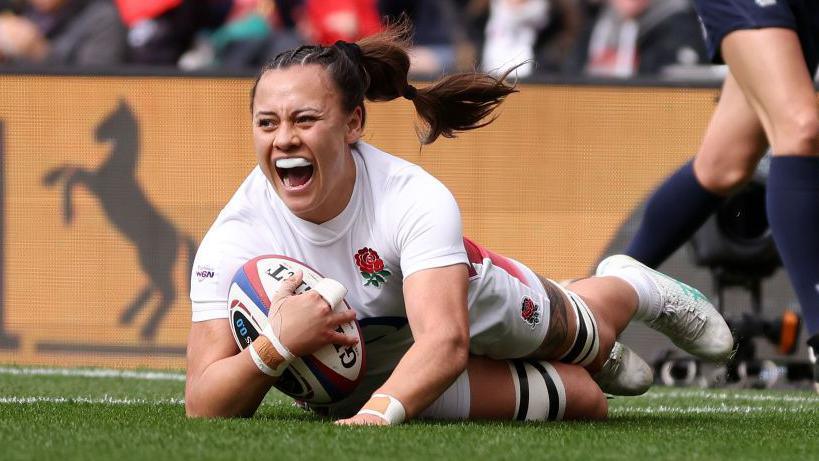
[453, 403]
[539, 391]
[586, 344]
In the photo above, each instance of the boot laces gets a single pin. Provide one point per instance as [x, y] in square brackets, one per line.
[686, 320]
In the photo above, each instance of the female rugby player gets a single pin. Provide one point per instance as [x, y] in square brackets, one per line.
[452, 330]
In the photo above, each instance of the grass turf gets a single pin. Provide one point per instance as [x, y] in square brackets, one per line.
[71, 417]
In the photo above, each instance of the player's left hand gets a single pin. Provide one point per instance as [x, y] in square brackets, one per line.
[362, 420]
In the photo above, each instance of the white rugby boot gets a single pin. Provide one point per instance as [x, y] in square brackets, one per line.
[624, 373]
[676, 310]
[813, 348]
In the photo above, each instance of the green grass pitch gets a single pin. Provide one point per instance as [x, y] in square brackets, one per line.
[56, 414]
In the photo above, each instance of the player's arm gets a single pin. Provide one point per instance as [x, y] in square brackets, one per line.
[436, 307]
[223, 382]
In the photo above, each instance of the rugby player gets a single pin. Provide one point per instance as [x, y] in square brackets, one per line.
[452, 330]
[768, 98]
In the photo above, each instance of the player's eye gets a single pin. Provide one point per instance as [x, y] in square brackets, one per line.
[305, 119]
[265, 123]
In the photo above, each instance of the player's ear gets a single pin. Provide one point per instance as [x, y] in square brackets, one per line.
[355, 125]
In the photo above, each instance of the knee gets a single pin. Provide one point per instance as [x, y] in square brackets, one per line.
[593, 405]
[584, 399]
[802, 136]
[598, 409]
[723, 174]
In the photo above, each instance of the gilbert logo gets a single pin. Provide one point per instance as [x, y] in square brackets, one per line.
[205, 272]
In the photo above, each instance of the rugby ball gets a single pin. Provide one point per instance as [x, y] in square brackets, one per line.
[326, 376]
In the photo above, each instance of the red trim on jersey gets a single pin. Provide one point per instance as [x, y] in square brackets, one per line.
[476, 254]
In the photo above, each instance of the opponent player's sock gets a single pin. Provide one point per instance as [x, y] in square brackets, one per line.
[793, 213]
[673, 213]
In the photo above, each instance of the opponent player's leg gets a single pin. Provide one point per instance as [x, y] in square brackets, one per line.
[730, 150]
[771, 68]
[520, 390]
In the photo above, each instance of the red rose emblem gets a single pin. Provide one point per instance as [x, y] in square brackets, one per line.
[529, 312]
[528, 309]
[368, 261]
[371, 267]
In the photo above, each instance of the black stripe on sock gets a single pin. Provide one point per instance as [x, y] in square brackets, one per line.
[523, 408]
[580, 340]
[554, 399]
[594, 338]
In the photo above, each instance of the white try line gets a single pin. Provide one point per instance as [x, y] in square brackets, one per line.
[722, 395]
[107, 400]
[721, 409]
[96, 373]
[171, 376]
[616, 411]
[96, 400]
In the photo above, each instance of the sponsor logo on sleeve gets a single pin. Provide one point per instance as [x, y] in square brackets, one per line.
[205, 272]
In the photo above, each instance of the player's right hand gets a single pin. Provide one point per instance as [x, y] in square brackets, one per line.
[304, 322]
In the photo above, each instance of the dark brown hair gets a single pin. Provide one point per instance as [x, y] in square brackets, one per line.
[376, 68]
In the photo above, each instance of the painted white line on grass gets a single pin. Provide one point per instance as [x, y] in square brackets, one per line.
[615, 411]
[96, 373]
[96, 400]
[722, 395]
[723, 409]
[109, 400]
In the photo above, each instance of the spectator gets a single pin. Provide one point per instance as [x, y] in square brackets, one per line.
[326, 21]
[433, 50]
[638, 37]
[511, 32]
[255, 31]
[159, 31]
[557, 40]
[72, 32]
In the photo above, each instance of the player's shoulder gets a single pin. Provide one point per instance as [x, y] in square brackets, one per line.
[248, 203]
[392, 175]
[237, 223]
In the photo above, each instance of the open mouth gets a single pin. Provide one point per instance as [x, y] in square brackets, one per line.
[294, 172]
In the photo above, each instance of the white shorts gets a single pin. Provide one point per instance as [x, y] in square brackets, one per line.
[508, 306]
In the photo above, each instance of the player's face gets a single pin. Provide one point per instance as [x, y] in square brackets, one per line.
[302, 139]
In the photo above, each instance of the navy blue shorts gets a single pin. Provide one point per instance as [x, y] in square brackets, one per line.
[720, 17]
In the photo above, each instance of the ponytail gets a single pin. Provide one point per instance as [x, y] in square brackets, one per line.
[455, 103]
[376, 67]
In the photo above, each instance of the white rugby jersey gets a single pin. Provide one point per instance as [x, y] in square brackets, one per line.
[400, 219]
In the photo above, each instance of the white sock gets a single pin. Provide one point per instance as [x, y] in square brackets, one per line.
[648, 296]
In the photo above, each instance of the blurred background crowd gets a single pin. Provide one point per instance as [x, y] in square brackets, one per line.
[606, 38]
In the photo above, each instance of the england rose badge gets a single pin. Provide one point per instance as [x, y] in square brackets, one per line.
[371, 266]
